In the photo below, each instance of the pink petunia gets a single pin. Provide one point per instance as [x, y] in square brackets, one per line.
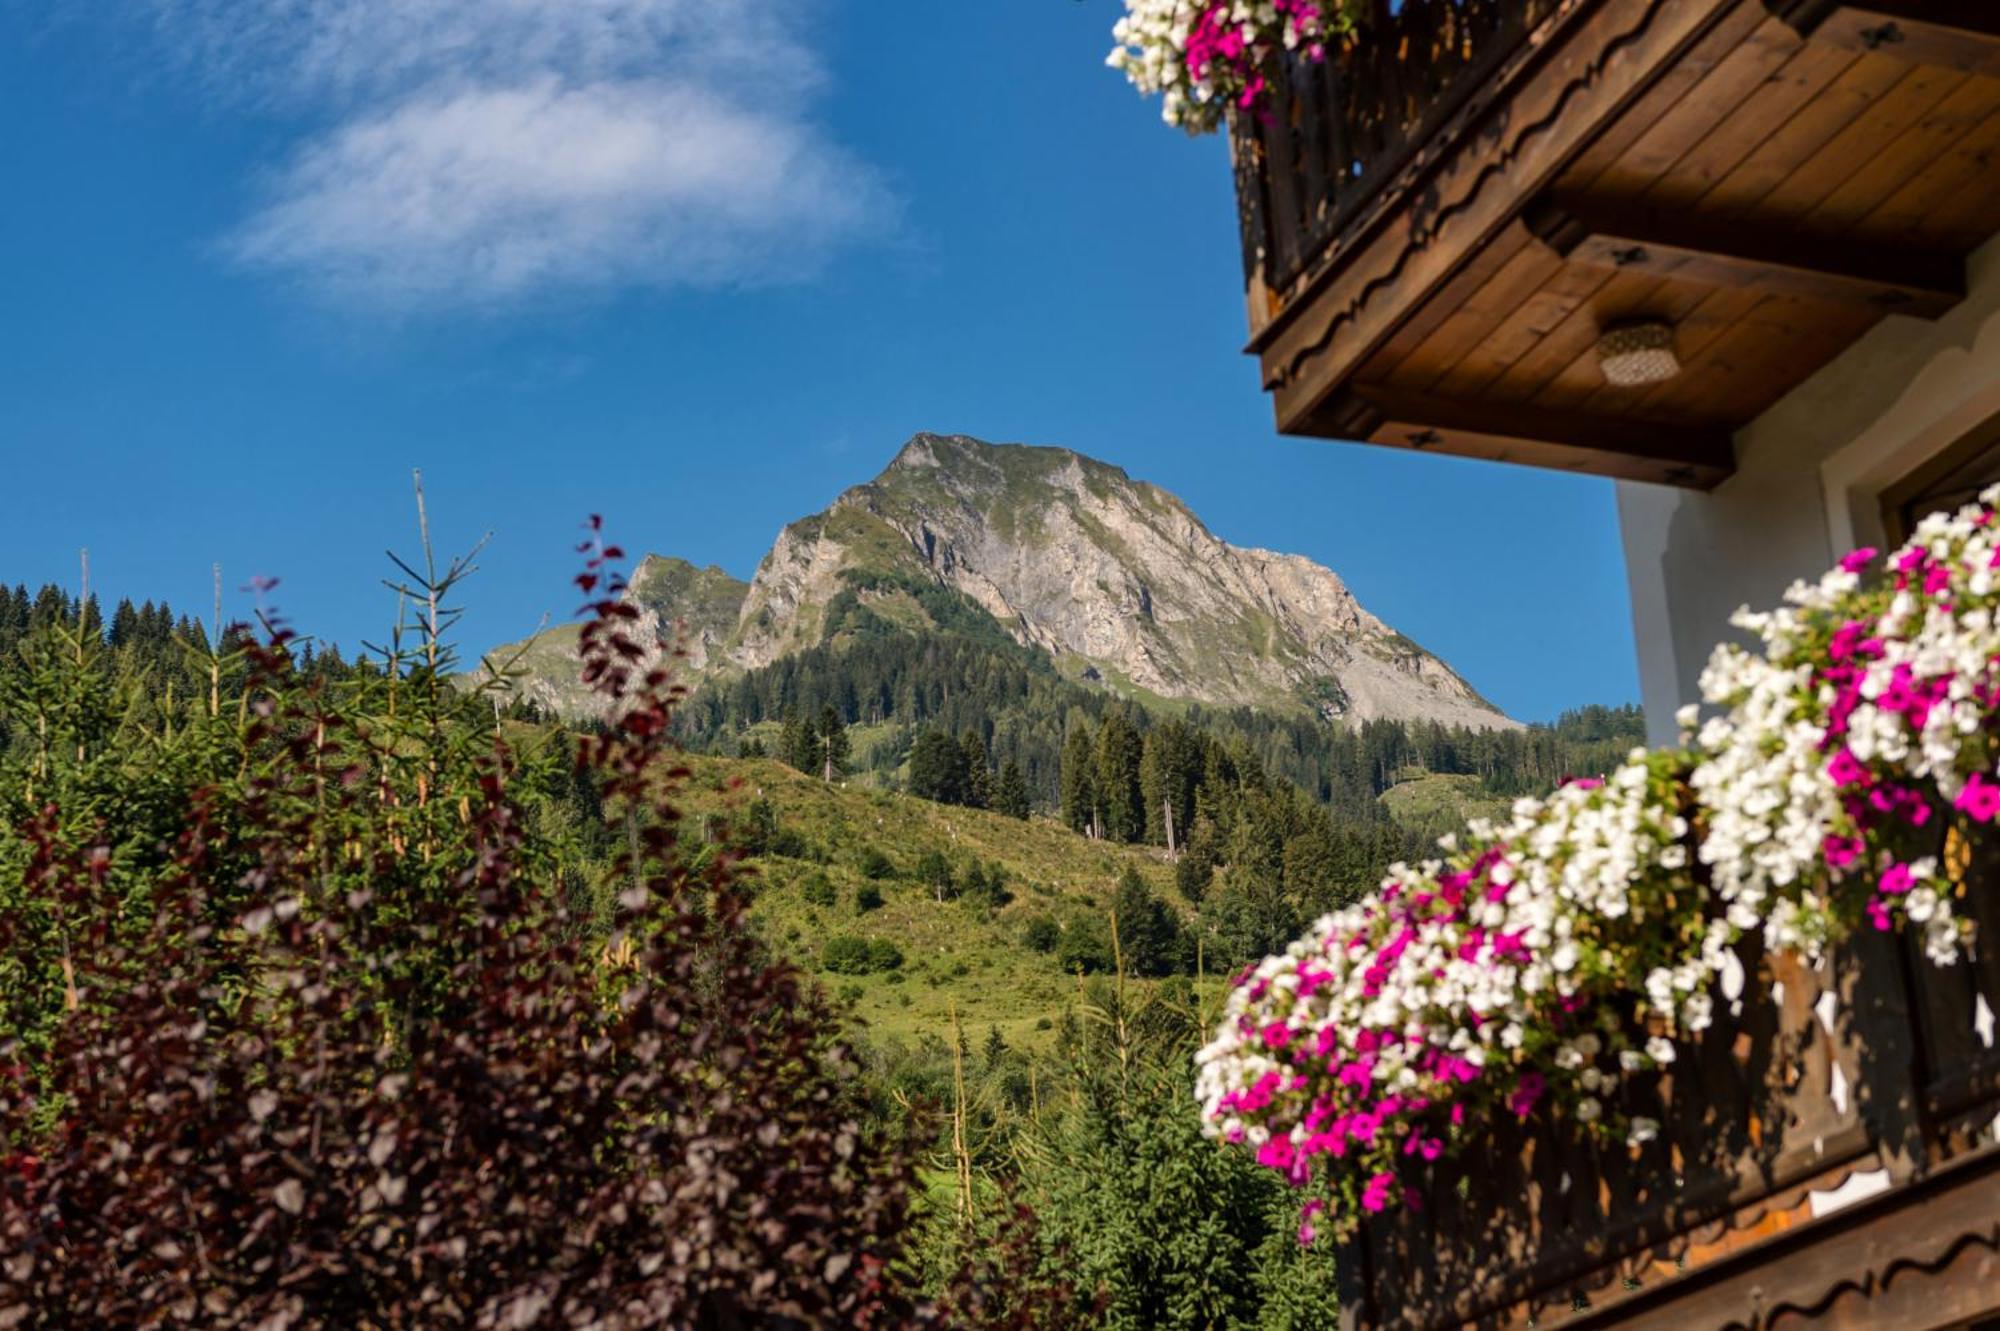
[1846, 769]
[1858, 560]
[1980, 800]
[1841, 851]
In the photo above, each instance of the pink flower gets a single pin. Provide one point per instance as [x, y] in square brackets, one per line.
[1375, 1196]
[1277, 1035]
[1841, 851]
[1878, 915]
[1858, 560]
[1980, 800]
[1897, 881]
[1846, 769]
[1306, 1213]
[1523, 1098]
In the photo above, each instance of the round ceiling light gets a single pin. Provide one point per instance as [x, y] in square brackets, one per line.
[1637, 353]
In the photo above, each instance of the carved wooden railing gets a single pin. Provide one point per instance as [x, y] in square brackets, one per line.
[1872, 1071]
[1341, 135]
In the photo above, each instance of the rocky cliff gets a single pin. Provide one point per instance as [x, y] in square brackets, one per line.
[1117, 580]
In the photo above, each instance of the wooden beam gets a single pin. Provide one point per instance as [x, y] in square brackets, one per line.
[1692, 457]
[1956, 34]
[1684, 246]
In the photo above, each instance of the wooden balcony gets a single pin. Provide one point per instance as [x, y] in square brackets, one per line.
[1827, 1158]
[1440, 221]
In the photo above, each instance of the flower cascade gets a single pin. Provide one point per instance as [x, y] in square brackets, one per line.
[1538, 962]
[1204, 56]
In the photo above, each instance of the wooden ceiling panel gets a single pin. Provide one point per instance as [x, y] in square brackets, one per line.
[1965, 220]
[1672, 301]
[1489, 289]
[1759, 358]
[1913, 97]
[1963, 172]
[1856, 93]
[1533, 322]
[1708, 105]
[1870, 184]
[1667, 92]
[1799, 83]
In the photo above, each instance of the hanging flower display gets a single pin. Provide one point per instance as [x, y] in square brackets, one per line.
[1204, 56]
[1537, 962]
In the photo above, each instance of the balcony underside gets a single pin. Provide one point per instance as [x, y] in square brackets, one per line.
[1769, 178]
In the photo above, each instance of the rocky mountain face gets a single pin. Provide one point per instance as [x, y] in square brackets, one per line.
[1114, 578]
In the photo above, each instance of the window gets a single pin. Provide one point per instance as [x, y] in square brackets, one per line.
[1951, 479]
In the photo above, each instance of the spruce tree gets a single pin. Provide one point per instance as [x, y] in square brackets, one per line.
[1010, 796]
[1079, 779]
[1118, 792]
[832, 744]
[937, 768]
[800, 745]
[978, 773]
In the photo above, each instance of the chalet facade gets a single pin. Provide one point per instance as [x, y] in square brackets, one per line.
[1743, 257]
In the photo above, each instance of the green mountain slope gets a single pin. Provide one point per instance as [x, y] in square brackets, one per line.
[960, 950]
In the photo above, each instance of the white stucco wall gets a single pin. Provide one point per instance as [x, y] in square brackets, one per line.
[1806, 490]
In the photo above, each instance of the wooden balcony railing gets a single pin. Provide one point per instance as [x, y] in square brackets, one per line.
[1876, 1073]
[1340, 134]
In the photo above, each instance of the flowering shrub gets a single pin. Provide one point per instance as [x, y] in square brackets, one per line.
[1536, 963]
[1203, 56]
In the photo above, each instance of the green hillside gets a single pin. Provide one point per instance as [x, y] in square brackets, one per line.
[963, 949]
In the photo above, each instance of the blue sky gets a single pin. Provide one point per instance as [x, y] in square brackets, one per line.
[695, 269]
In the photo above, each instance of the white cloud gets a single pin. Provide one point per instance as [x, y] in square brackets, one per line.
[487, 152]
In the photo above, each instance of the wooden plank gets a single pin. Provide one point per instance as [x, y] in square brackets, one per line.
[1622, 295]
[1965, 220]
[1581, 385]
[1534, 436]
[1706, 106]
[1595, 68]
[1763, 355]
[1476, 319]
[1955, 34]
[1442, 322]
[1914, 96]
[1684, 245]
[1957, 188]
[1863, 84]
[1539, 316]
[1665, 93]
[1870, 184]
[1699, 315]
[1697, 331]
[1798, 84]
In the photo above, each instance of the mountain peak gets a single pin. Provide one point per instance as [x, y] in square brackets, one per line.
[1114, 578]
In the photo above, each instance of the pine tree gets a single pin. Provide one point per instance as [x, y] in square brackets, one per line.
[800, 745]
[1010, 796]
[1148, 933]
[1118, 793]
[937, 768]
[978, 772]
[832, 743]
[1079, 780]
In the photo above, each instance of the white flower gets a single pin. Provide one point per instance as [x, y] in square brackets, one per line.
[1642, 1130]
